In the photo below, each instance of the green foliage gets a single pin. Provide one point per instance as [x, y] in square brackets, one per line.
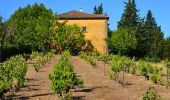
[98, 10]
[39, 59]
[120, 63]
[63, 77]
[12, 73]
[129, 17]
[4, 35]
[68, 37]
[147, 68]
[31, 27]
[88, 57]
[104, 58]
[143, 68]
[148, 36]
[152, 59]
[156, 76]
[154, 36]
[166, 50]
[142, 41]
[151, 94]
[133, 70]
[117, 67]
[123, 40]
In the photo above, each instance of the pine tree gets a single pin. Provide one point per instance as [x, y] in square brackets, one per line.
[98, 10]
[130, 20]
[141, 48]
[4, 35]
[130, 15]
[166, 50]
[154, 36]
[95, 10]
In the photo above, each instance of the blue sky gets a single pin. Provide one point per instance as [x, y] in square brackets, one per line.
[114, 9]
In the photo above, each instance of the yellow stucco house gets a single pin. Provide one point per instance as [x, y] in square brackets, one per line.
[94, 26]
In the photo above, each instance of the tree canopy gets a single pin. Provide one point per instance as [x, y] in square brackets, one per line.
[122, 41]
[130, 16]
[31, 27]
[99, 9]
[67, 37]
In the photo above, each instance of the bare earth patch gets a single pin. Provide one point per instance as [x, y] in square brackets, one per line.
[98, 86]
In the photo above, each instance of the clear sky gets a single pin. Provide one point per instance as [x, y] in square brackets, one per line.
[114, 9]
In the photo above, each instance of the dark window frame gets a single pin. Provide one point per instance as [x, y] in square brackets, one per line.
[84, 29]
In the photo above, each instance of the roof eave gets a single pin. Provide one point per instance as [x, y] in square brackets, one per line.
[67, 18]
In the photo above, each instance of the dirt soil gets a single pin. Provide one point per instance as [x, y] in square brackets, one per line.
[97, 85]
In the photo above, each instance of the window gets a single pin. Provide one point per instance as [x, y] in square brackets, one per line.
[84, 29]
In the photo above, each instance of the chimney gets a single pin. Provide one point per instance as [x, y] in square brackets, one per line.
[81, 9]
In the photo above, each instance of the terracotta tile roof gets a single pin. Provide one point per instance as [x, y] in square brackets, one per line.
[81, 15]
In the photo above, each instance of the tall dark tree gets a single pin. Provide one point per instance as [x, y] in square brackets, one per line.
[154, 36]
[130, 15]
[166, 48]
[95, 10]
[130, 20]
[99, 9]
[4, 35]
[141, 37]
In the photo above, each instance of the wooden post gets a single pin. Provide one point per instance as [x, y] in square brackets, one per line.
[123, 76]
[167, 75]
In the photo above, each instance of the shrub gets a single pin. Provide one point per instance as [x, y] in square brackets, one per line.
[151, 94]
[144, 69]
[88, 57]
[63, 77]
[156, 76]
[40, 59]
[12, 74]
[133, 70]
[67, 37]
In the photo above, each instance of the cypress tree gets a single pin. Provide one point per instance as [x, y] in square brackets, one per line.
[130, 16]
[95, 10]
[154, 36]
[98, 10]
[4, 35]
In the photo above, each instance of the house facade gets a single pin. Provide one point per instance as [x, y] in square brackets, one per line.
[94, 27]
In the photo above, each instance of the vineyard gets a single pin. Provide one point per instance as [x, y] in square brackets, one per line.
[45, 55]
[88, 76]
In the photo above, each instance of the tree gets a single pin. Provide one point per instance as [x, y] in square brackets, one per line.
[99, 9]
[95, 10]
[127, 25]
[129, 17]
[31, 27]
[166, 50]
[154, 36]
[67, 37]
[141, 37]
[123, 40]
[4, 35]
